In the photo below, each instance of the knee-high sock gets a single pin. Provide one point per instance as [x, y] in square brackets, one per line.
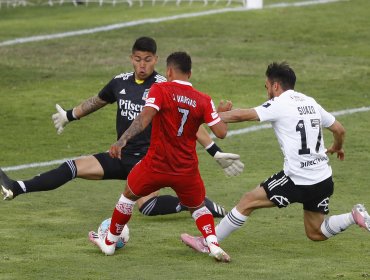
[49, 180]
[168, 204]
[205, 223]
[121, 215]
[231, 222]
[335, 224]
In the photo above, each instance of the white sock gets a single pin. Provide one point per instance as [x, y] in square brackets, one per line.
[335, 224]
[231, 222]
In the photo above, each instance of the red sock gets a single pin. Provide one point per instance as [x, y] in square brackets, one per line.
[121, 215]
[204, 221]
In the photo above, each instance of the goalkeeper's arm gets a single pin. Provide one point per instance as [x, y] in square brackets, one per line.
[62, 117]
[230, 163]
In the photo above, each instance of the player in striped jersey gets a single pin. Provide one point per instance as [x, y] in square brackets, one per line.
[306, 178]
[129, 91]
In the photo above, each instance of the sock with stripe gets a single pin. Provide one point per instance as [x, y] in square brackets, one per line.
[49, 180]
[335, 224]
[168, 204]
[231, 222]
[161, 205]
[121, 215]
[205, 223]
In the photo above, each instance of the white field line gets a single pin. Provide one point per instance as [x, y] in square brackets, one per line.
[151, 20]
[230, 133]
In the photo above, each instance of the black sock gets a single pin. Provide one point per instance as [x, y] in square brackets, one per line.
[50, 180]
[216, 210]
[168, 204]
[162, 205]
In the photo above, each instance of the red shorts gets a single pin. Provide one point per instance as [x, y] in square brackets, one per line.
[142, 181]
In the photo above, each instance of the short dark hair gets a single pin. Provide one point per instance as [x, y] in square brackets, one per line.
[181, 61]
[281, 73]
[145, 44]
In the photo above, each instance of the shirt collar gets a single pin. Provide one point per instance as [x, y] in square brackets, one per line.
[182, 82]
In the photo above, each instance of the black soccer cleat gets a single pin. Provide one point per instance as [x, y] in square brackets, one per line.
[7, 189]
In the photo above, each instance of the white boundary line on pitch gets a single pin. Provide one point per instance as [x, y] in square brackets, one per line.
[230, 133]
[151, 20]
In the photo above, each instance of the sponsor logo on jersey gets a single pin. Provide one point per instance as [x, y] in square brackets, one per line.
[123, 91]
[313, 162]
[129, 109]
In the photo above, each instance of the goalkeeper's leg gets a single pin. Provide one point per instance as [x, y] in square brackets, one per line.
[87, 168]
[154, 205]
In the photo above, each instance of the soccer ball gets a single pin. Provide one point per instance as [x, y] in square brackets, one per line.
[124, 237]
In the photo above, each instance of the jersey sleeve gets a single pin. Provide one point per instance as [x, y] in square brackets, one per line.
[155, 98]
[269, 111]
[107, 92]
[327, 119]
[211, 116]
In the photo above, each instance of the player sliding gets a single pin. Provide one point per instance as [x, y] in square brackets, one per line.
[176, 111]
[297, 120]
[128, 91]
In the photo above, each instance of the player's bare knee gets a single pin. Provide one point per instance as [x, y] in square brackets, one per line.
[246, 203]
[316, 236]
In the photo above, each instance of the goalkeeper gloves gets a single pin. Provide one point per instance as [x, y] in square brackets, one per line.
[62, 117]
[230, 163]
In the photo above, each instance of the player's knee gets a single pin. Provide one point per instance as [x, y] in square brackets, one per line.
[247, 203]
[315, 235]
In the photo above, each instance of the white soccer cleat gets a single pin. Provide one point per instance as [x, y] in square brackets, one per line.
[108, 250]
[198, 243]
[361, 217]
[217, 253]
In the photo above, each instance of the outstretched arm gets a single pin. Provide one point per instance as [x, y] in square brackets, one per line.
[338, 134]
[239, 115]
[62, 117]
[137, 126]
[230, 163]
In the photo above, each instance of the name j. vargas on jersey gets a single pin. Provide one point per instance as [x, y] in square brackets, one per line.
[129, 109]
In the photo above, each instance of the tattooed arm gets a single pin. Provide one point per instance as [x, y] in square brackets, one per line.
[89, 106]
[137, 126]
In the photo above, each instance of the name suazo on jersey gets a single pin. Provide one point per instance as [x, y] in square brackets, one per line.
[130, 98]
[297, 121]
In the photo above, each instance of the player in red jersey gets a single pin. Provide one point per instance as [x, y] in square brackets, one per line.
[176, 110]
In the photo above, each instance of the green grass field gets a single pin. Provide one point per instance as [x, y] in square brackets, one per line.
[44, 235]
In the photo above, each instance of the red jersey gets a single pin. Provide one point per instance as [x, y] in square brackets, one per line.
[181, 110]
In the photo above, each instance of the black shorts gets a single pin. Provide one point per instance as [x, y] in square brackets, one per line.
[115, 168]
[282, 191]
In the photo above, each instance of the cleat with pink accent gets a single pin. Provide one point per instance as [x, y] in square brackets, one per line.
[197, 243]
[361, 217]
[106, 249]
[219, 254]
